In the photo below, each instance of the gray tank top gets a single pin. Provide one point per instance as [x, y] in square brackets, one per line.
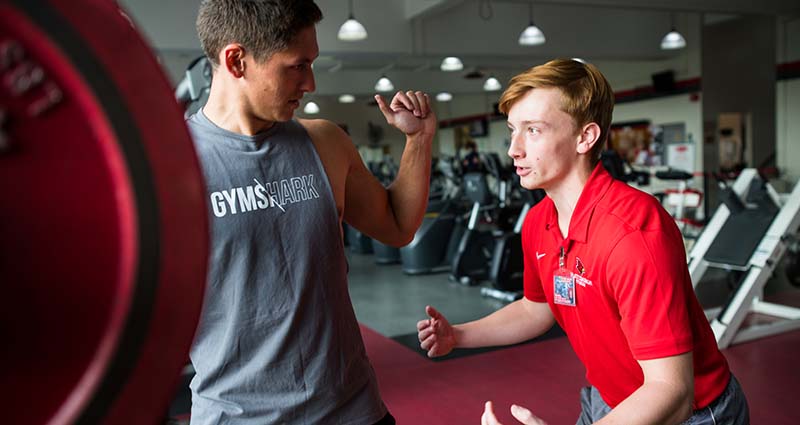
[278, 341]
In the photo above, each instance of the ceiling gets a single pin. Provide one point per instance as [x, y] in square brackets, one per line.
[408, 38]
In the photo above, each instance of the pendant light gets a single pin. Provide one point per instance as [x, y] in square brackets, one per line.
[673, 40]
[352, 30]
[451, 63]
[531, 35]
[491, 84]
[444, 97]
[311, 108]
[384, 84]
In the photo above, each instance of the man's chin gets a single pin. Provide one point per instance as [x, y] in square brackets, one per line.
[528, 184]
[286, 116]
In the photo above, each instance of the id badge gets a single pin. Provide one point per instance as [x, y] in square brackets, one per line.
[563, 284]
[564, 288]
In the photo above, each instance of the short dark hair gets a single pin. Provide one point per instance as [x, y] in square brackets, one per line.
[263, 27]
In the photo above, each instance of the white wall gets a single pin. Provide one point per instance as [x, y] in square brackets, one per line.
[472, 105]
[496, 141]
[787, 107]
[667, 110]
[787, 150]
[356, 116]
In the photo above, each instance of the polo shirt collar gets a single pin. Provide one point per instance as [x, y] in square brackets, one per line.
[595, 189]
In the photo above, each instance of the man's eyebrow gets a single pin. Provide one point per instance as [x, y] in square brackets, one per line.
[539, 122]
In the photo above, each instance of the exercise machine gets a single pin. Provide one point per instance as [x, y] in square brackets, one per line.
[104, 220]
[436, 241]
[471, 261]
[682, 202]
[359, 242]
[493, 215]
[192, 91]
[749, 234]
[619, 169]
[507, 265]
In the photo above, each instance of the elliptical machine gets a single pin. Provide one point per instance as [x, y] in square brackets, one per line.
[507, 266]
[471, 264]
[436, 241]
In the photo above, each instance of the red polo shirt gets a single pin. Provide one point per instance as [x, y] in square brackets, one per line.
[633, 295]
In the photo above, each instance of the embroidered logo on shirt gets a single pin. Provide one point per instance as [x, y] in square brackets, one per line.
[579, 266]
[539, 256]
[579, 279]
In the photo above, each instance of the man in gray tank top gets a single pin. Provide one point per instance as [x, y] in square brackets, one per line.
[278, 341]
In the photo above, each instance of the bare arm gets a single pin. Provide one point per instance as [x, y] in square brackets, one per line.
[519, 321]
[665, 396]
[393, 215]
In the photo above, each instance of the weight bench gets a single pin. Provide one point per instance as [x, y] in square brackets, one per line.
[752, 239]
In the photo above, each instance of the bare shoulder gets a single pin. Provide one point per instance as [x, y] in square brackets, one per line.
[333, 145]
[337, 153]
[324, 132]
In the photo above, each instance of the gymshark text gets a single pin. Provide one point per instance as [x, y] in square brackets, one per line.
[260, 196]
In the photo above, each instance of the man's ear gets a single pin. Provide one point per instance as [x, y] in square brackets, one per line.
[232, 60]
[589, 135]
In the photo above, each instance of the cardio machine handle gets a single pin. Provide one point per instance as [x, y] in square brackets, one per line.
[673, 175]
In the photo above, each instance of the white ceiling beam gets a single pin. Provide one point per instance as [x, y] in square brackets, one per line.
[423, 8]
[746, 7]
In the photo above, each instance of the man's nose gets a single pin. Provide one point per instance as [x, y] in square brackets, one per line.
[308, 85]
[515, 149]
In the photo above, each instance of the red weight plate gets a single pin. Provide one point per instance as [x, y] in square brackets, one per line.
[103, 219]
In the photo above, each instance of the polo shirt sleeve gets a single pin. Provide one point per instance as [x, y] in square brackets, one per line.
[532, 285]
[650, 281]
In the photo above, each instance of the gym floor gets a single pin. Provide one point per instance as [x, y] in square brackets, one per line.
[391, 302]
[546, 375]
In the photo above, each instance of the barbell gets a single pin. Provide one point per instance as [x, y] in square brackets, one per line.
[103, 222]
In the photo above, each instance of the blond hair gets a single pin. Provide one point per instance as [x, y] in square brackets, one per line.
[586, 95]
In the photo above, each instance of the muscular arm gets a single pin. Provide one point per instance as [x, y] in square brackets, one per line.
[390, 215]
[393, 215]
[665, 397]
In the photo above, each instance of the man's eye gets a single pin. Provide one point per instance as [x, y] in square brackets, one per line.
[533, 130]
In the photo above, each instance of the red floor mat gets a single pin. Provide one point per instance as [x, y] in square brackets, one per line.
[768, 370]
[546, 377]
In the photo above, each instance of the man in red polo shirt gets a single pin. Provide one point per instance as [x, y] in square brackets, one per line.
[606, 262]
